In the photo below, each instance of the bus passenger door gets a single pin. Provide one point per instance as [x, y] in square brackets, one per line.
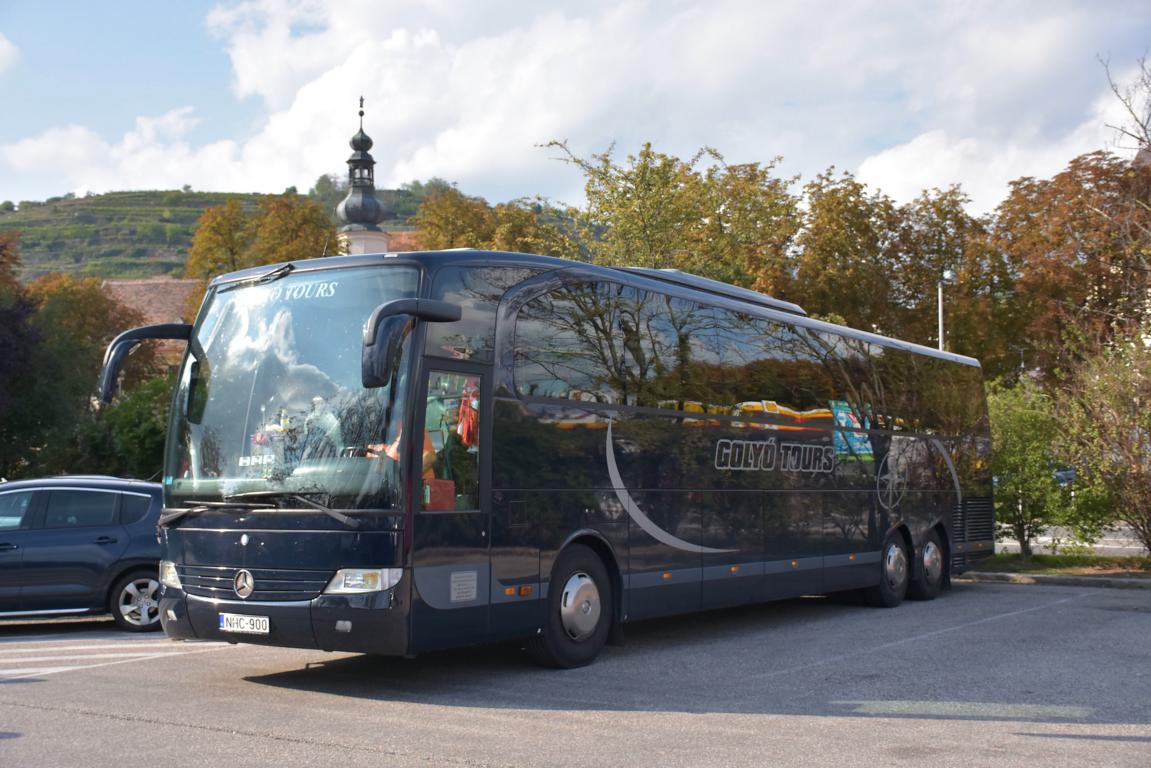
[450, 549]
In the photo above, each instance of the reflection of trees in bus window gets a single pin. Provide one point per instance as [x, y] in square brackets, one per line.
[476, 291]
[565, 344]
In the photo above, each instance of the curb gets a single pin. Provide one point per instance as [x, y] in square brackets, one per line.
[1107, 582]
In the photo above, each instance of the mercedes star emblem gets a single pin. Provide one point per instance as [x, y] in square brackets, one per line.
[244, 583]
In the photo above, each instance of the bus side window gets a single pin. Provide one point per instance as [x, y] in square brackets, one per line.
[451, 458]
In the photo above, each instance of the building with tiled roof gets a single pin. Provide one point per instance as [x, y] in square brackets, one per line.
[158, 299]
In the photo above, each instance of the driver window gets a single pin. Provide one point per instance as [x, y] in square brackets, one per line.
[451, 457]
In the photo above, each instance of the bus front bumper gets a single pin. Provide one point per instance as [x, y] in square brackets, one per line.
[368, 623]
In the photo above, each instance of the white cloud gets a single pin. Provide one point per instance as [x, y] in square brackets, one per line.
[985, 166]
[9, 53]
[152, 155]
[910, 94]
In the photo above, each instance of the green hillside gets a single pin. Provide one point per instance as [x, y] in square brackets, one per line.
[145, 234]
[117, 235]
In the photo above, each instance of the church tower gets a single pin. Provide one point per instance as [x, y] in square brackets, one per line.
[360, 213]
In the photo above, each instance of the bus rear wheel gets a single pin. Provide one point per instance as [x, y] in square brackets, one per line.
[929, 579]
[894, 574]
[579, 610]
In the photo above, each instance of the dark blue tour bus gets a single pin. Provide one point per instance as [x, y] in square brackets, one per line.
[395, 453]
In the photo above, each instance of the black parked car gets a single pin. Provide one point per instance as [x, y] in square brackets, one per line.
[72, 545]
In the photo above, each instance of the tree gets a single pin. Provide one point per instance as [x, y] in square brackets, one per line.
[1136, 100]
[1079, 248]
[290, 228]
[450, 219]
[1024, 431]
[727, 222]
[750, 223]
[75, 321]
[221, 242]
[18, 344]
[1108, 422]
[327, 193]
[846, 253]
[285, 227]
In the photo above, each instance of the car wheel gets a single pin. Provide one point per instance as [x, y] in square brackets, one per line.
[929, 579]
[135, 602]
[579, 610]
[893, 576]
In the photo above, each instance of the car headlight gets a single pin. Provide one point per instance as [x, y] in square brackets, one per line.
[168, 575]
[353, 581]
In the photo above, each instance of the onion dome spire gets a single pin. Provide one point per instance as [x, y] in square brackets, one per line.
[360, 209]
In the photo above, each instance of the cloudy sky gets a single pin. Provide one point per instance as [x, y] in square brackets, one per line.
[259, 95]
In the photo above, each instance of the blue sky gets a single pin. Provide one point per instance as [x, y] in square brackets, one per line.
[257, 95]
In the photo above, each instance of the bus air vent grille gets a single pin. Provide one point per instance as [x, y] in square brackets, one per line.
[271, 584]
[980, 518]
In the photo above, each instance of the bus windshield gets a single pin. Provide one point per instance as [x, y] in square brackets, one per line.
[269, 398]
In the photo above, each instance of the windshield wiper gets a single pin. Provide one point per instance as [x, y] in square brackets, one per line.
[347, 520]
[204, 506]
[267, 277]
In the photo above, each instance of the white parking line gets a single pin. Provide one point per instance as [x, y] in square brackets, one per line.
[31, 671]
[90, 656]
[10, 659]
[48, 648]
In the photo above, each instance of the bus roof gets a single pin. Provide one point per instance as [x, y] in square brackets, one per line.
[680, 282]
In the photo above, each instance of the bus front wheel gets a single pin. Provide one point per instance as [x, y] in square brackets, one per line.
[579, 610]
[895, 572]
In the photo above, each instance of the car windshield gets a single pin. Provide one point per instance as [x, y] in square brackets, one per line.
[269, 398]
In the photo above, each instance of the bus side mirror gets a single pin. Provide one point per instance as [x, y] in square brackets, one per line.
[385, 330]
[125, 343]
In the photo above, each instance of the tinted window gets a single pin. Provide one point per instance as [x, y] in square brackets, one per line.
[14, 509]
[134, 508]
[767, 362]
[476, 291]
[609, 343]
[569, 344]
[80, 509]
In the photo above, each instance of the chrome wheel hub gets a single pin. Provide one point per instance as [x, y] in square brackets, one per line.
[932, 562]
[579, 606]
[894, 566]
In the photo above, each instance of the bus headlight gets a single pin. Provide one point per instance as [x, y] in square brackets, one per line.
[168, 575]
[352, 581]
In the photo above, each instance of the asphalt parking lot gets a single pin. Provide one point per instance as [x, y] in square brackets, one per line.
[995, 675]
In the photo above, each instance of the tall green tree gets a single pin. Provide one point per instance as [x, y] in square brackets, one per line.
[1108, 424]
[1024, 435]
[74, 321]
[19, 341]
[729, 222]
[847, 253]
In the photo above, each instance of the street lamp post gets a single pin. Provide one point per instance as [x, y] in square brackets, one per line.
[940, 286]
[944, 277]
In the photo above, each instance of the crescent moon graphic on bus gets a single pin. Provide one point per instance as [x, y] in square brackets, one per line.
[636, 514]
[950, 466]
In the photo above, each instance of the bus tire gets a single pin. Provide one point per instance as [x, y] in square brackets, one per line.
[930, 573]
[894, 574]
[579, 610]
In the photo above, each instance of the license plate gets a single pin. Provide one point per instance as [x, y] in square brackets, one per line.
[251, 625]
